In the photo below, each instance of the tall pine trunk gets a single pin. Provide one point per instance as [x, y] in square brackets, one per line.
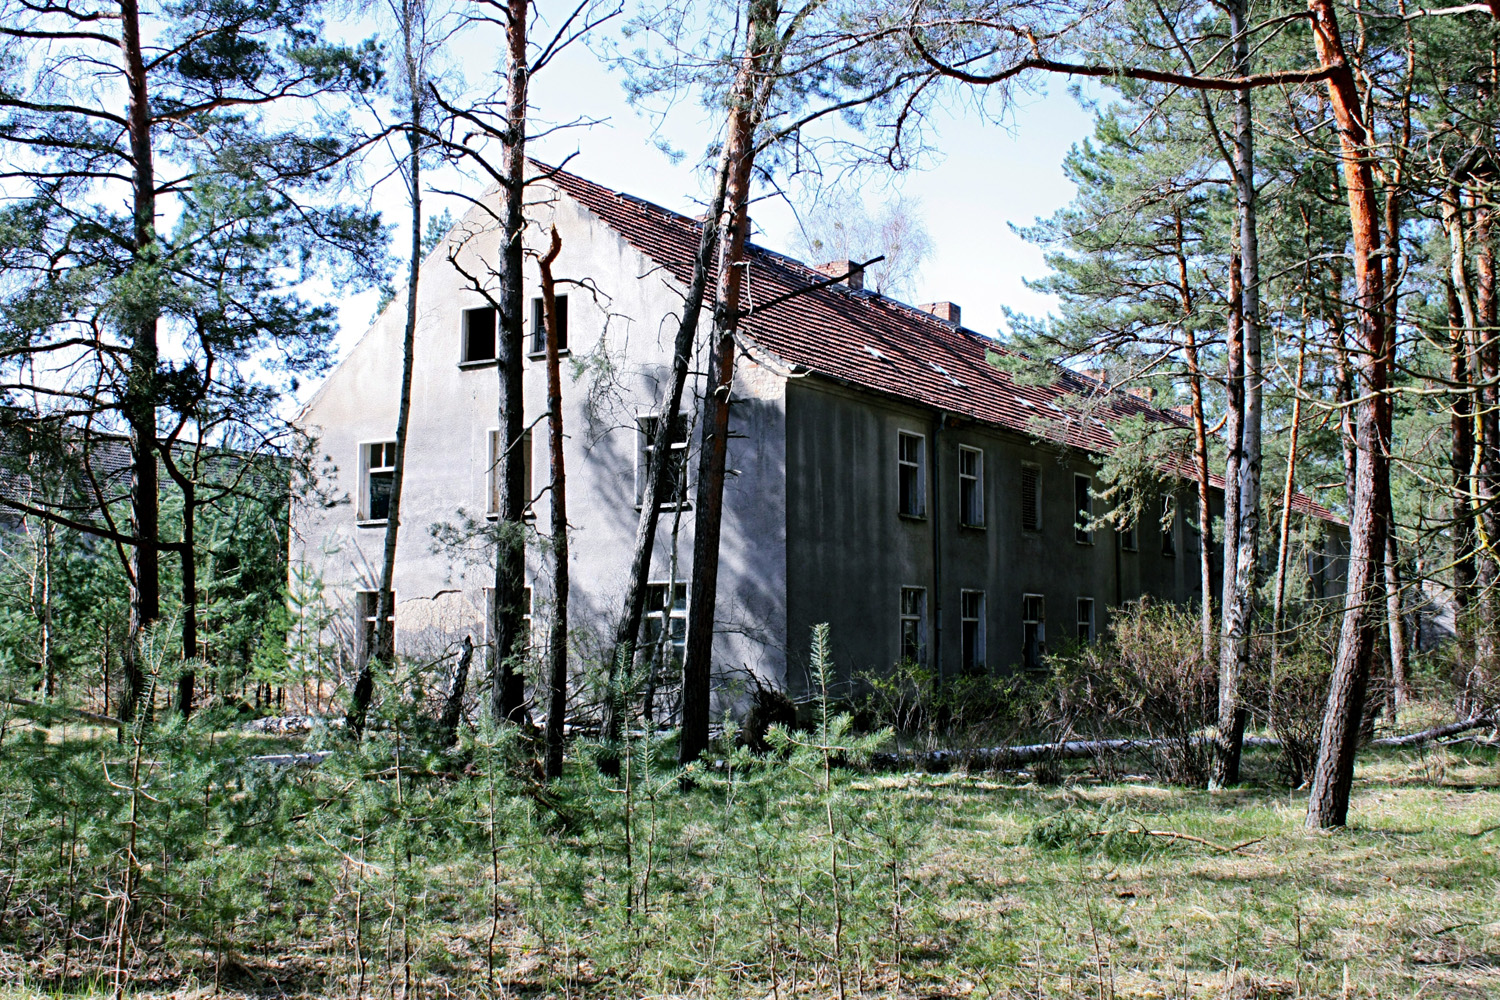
[508, 691]
[1239, 599]
[1333, 776]
[744, 119]
[140, 391]
[659, 471]
[557, 648]
[1200, 447]
[384, 653]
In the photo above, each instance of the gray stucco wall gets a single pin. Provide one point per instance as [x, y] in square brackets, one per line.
[850, 552]
[620, 336]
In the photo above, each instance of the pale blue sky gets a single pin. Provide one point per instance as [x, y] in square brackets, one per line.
[989, 177]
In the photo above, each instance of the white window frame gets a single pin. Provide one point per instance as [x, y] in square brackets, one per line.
[976, 617]
[366, 468]
[643, 449]
[492, 474]
[975, 482]
[1035, 470]
[919, 616]
[666, 614]
[1085, 618]
[920, 465]
[1040, 621]
[366, 613]
[1081, 535]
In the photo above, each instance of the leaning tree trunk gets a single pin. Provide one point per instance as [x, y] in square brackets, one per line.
[1333, 776]
[508, 691]
[659, 472]
[384, 652]
[744, 119]
[1200, 449]
[1288, 492]
[140, 388]
[557, 650]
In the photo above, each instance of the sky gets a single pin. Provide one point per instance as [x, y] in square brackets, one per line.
[988, 177]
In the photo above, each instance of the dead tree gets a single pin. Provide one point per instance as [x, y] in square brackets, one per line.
[557, 650]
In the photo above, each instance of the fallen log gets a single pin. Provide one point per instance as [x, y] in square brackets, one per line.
[1436, 733]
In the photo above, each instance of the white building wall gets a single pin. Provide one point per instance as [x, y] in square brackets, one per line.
[621, 328]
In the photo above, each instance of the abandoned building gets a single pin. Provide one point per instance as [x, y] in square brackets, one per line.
[887, 476]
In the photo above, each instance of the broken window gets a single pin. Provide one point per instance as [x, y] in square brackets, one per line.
[911, 464]
[971, 487]
[677, 475]
[664, 625]
[539, 325]
[1083, 510]
[1033, 631]
[1031, 498]
[367, 614]
[1168, 526]
[1085, 619]
[379, 460]
[479, 335]
[913, 625]
[496, 483]
[971, 613]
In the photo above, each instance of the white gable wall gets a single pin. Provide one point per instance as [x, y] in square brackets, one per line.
[620, 347]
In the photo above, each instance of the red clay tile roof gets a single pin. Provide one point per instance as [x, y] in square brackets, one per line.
[879, 344]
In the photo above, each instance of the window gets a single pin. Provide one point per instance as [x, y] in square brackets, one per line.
[913, 625]
[1033, 631]
[971, 613]
[367, 613]
[379, 460]
[1190, 518]
[1085, 619]
[664, 625]
[1168, 527]
[539, 326]
[496, 482]
[1130, 539]
[479, 335]
[1083, 510]
[677, 485]
[971, 487]
[1031, 498]
[911, 465]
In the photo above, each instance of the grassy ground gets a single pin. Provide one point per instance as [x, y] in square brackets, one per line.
[928, 886]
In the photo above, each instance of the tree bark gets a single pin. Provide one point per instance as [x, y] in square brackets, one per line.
[1461, 433]
[1333, 776]
[508, 691]
[660, 469]
[1200, 450]
[744, 118]
[557, 648]
[140, 401]
[453, 704]
[385, 597]
[1288, 491]
[187, 681]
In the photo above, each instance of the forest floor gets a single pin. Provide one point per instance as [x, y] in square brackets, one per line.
[1103, 886]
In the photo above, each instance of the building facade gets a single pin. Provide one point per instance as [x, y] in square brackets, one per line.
[887, 475]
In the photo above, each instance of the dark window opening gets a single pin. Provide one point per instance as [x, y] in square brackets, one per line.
[1083, 510]
[1031, 498]
[479, 334]
[911, 466]
[971, 487]
[677, 474]
[380, 478]
[539, 326]
[1033, 631]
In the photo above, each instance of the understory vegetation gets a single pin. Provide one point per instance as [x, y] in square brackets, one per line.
[176, 855]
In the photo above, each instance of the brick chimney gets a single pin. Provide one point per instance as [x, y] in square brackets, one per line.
[840, 268]
[948, 312]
